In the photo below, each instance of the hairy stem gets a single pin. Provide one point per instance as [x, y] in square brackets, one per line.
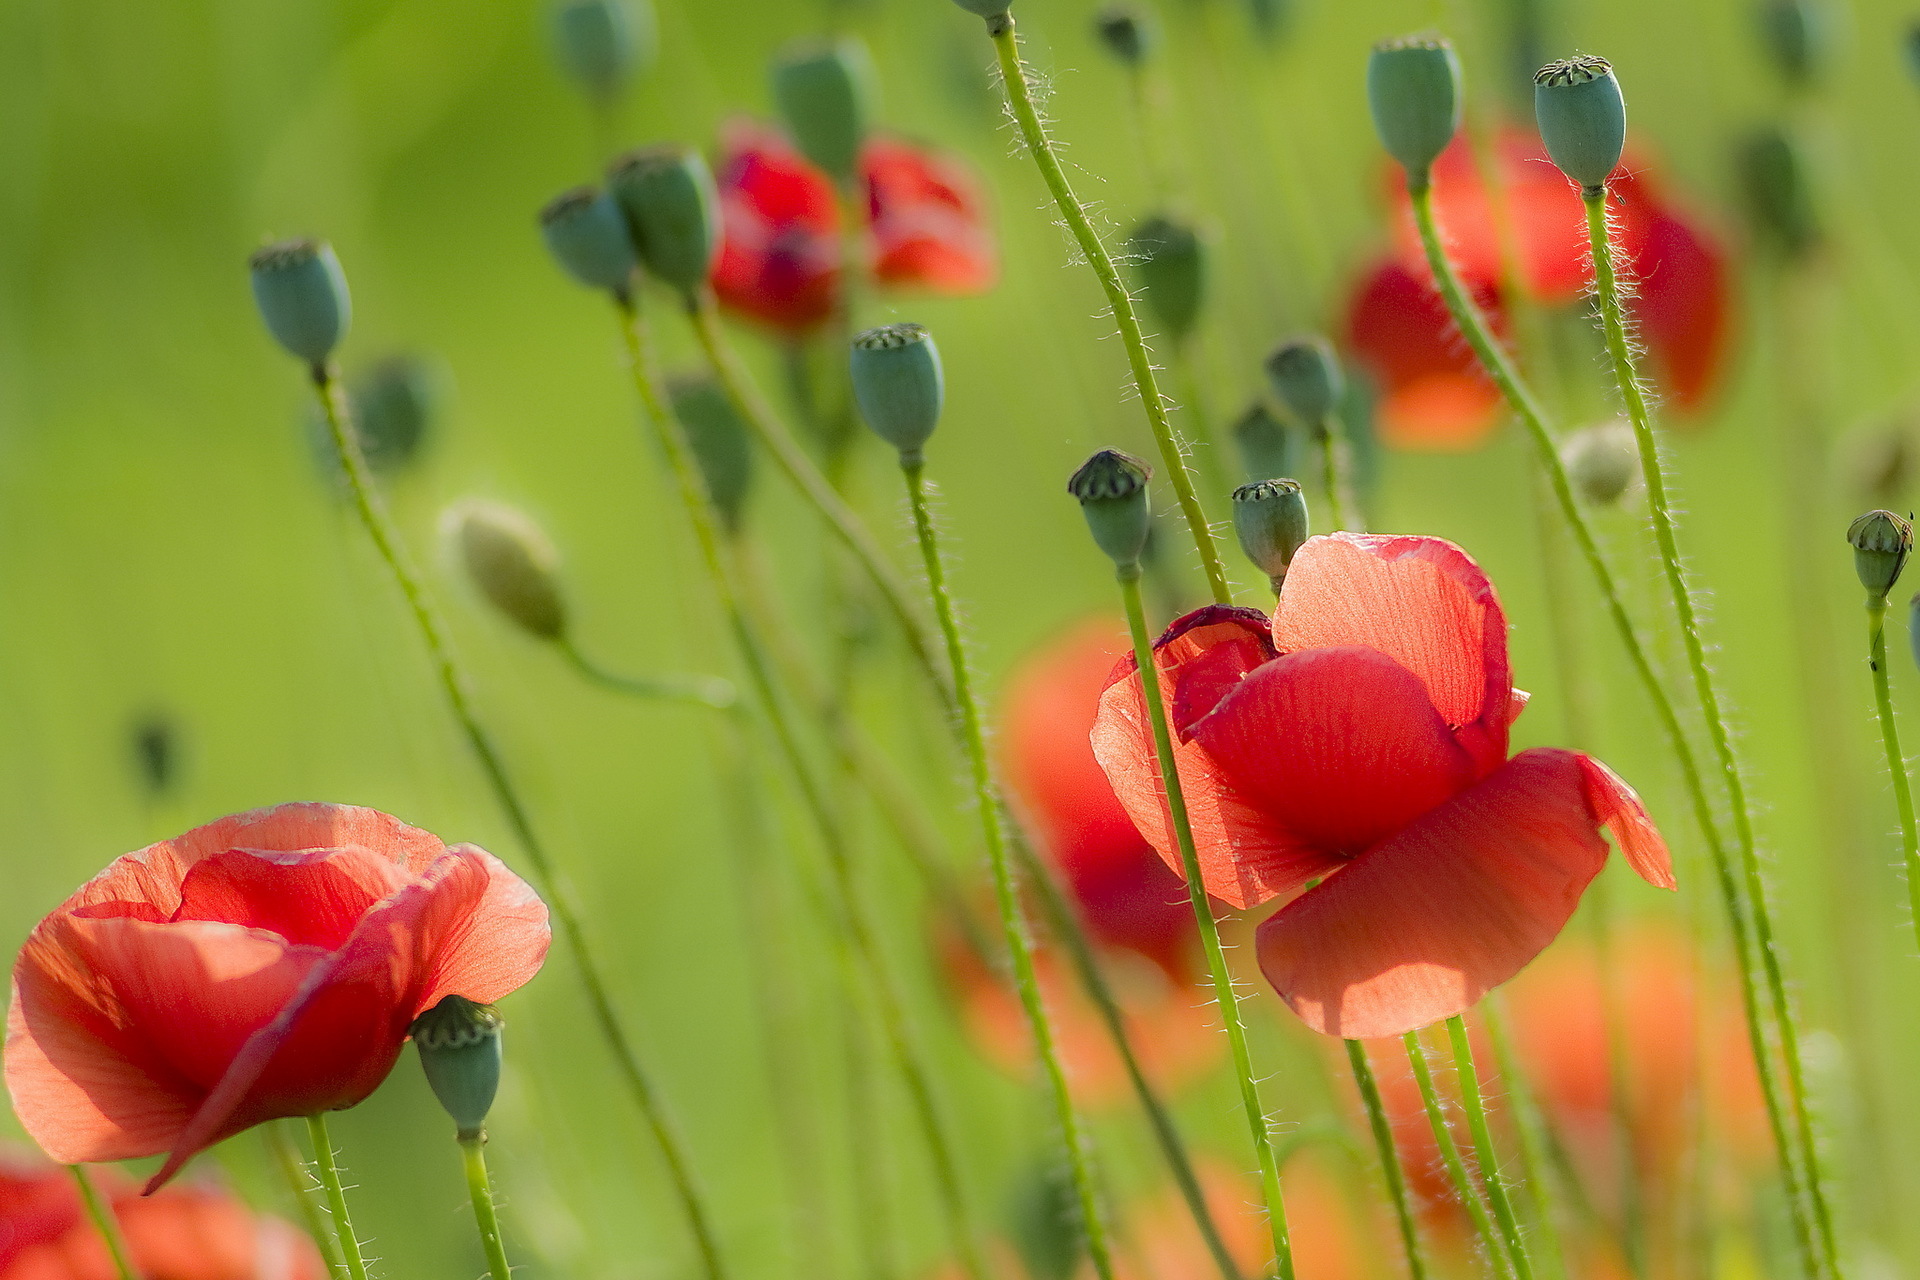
[1890, 739]
[1389, 1158]
[1456, 1166]
[1484, 1151]
[329, 1175]
[286, 1157]
[485, 1217]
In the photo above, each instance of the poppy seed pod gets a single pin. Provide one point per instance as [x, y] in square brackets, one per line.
[588, 236]
[824, 89]
[1413, 91]
[898, 385]
[672, 209]
[1305, 374]
[1168, 263]
[1582, 118]
[1270, 516]
[394, 406]
[302, 296]
[1603, 461]
[513, 564]
[721, 446]
[1112, 489]
[1266, 444]
[600, 44]
[1124, 30]
[1881, 543]
[459, 1044]
[1797, 35]
[1773, 173]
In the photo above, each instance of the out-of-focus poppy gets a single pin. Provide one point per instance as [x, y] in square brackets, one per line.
[1324, 1228]
[265, 965]
[1353, 751]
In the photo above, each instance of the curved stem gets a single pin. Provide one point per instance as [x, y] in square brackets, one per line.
[1463, 1185]
[1172, 452]
[1613, 323]
[1334, 466]
[485, 1217]
[707, 691]
[1229, 1002]
[101, 1214]
[1389, 1157]
[329, 1174]
[1484, 1151]
[1536, 1136]
[286, 1157]
[1896, 762]
[559, 896]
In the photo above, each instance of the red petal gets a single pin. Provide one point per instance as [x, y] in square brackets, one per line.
[1617, 807]
[1339, 744]
[780, 247]
[38, 1204]
[1434, 394]
[1424, 603]
[926, 220]
[313, 897]
[1681, 307]
[1421, 926]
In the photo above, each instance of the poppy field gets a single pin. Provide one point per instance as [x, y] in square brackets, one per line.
[959, 640]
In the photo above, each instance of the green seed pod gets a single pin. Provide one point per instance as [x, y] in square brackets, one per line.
[1266, 443]
[1271, 518]
[1168, 263]
[824, 89]
[1582, 118]
[1911, 46]
[1125, 31]
[587, 236]
[1798, 36]
[673, 210]
[1603, 461]
[898, 385]
[302, 296]
[1112, 489]
[394, 405]
[1881, 543]
[1773, 173]
[1305, 375]
[721, 444]
[459, 1044]
[513, 564]
[1413, 90]
[601, 44]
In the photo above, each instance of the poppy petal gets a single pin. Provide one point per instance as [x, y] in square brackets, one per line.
[313, 897]
[1618, 808]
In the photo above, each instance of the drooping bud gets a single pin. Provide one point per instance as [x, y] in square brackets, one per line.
[588, 236]
[1881, 543]
[1125, 31]
[1413, 91]
[1168, 262]
[1271, 518]
[510, 559]
[673, 210]
[720, 441]
[601, 44]
[1602, 461]
[1112, 489]
[1582, 117]
[1779, 195]
[302, 296]
[1797, 35]
[898, 385]
[1305, 375]
[156, 753]
[1266, 443]
[824, 89]
[459, 1044]
[394, 406]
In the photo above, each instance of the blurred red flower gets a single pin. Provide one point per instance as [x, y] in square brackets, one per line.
[781, 242]
[181, 1233]
[1433, 395]
[1353, 751]
[266, 965]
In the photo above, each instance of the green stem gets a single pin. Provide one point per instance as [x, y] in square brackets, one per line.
[485, 1217]
[104, 1222]
[1019, 944]
[706, 691]
[1613, 323]
[1389, 1157]
[1333, 470]
[1533, 1129]
[1484, 1150]
[558, 895]
[329, 1174]
[1890, 739]
[1463, 1185]
[287, 1157]
[1229, 1002]
[1172, 452]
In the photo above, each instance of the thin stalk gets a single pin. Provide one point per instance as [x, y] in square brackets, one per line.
[1389, 1157]
[1485, 1153]
[1533, 1128]
[1473, 326]
[286, 1157]
[706, 691]
[1214, 465]
[1173, 456]
[1613, 323]
[104, 1222]
[1229, 1002]
[1890, 739]
[329, 1174]
[1463, 1184]
[485, 1217]
[558, 894]
[1334, 468]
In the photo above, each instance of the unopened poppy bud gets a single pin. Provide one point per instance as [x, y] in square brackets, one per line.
[1797, 35]
[898, 385]
[1125, 32]
[600, 44]
[1112, 489]
[1881, 542]
[721, 446]
[1773, 172]
[1413, 91]
[1582, 118]
[302, 296]
[459, 1044]
[1603, 461]
[512, 563]
[1305, 375]
[588, 236]
[824, 89]
[1168, 262]
[668, 196]
[1271, 518]
[1266, 444]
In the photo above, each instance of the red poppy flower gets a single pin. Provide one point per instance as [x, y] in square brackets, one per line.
[266, 965]
[926, 218]
[1355, 748]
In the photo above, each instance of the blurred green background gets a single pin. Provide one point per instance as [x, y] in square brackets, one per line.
[168, 548]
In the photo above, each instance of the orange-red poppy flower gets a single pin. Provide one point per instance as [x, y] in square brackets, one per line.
[781, 244]
[265, 965]
[181, 1233]
[1353, 751]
